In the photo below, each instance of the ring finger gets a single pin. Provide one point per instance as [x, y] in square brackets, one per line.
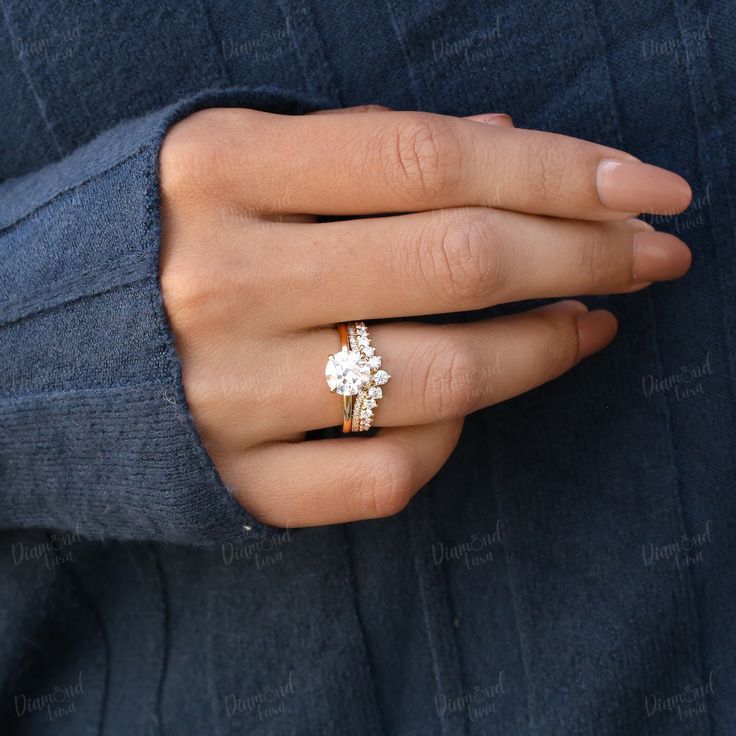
[437, 372]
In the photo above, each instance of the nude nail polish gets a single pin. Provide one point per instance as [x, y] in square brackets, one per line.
[659, 257]
[631, 186]
[595, 330]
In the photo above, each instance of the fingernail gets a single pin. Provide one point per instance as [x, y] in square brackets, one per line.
[567, 306]
[595, 330]
[636, 287]
[631, 186]
[493, 118]
[659, 256]
[640, 224]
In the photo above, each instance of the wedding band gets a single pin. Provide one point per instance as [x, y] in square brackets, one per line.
[354, 372]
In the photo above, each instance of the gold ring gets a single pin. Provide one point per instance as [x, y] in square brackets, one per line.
[354, 372]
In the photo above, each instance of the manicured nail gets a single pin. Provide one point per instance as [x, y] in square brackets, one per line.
[636, 287]
[595, 330]
[640, 224]
[493, 118]
[631, 186]
[659, 257]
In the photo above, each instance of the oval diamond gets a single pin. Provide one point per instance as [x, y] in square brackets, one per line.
[347, 372]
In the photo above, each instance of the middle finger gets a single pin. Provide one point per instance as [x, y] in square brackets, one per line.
[460, 259]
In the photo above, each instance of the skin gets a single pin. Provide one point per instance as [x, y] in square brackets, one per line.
[473, 213]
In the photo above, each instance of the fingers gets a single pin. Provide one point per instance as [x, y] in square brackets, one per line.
[386, 161]
[438, 371]
[458, 260]
[338, 480]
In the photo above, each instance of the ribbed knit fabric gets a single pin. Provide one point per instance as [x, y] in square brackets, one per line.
[569, 571]
[97, 437]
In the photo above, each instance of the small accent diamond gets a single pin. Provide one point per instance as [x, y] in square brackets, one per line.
[380, 377]
[375, 392]
[374, 362]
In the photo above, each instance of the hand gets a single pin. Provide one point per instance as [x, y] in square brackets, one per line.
[486, 214]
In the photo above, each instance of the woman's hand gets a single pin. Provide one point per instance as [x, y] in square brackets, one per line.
[485, 214]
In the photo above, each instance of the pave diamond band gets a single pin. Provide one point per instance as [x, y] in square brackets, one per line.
[355, 373]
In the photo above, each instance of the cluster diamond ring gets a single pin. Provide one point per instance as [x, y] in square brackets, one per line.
[355, 373]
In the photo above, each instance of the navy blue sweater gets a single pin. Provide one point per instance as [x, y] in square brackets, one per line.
[570, 570]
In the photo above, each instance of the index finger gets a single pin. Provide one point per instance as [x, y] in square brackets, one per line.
[387, 161]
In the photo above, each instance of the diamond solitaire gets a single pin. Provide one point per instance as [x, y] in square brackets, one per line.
[347, 372]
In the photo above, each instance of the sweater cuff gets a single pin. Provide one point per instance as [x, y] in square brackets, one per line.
[98, 436]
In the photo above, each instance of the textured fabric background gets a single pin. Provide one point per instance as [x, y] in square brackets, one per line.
[570, 571]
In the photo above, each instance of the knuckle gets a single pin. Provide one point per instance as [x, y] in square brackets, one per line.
[186, 297]
[559, 340]
[459, 263]
[201, 291]
[450, 377]
[548, 171]
[183, 157]
[391, 484]
[595, 260]
[196, 151]
[423, 154]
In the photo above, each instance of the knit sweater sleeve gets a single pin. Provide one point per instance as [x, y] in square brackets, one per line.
[95, 433]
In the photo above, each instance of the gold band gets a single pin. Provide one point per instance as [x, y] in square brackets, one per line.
[347, 401]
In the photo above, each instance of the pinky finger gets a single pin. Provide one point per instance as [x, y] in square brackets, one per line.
[333, 481]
